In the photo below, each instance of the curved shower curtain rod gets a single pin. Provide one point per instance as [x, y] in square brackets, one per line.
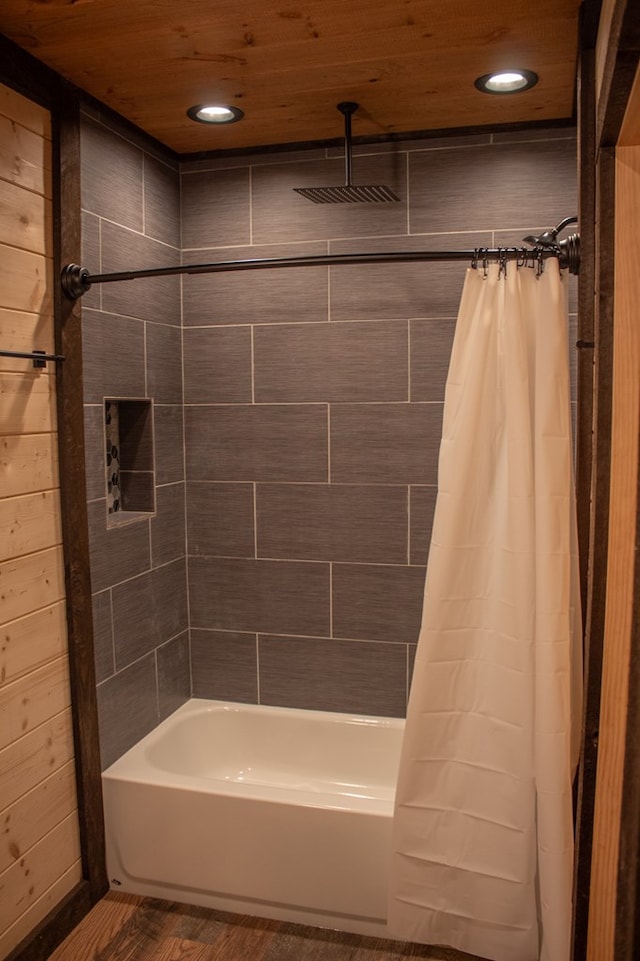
[77, 280]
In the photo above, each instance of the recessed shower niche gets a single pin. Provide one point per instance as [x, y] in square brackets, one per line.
[129, 460]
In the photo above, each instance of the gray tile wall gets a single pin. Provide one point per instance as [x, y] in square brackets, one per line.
[313, 404]
[132, 349]
[311, 408]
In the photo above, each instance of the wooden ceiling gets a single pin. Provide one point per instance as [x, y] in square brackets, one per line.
[411, 64]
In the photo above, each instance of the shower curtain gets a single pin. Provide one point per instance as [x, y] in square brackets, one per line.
[483, 831]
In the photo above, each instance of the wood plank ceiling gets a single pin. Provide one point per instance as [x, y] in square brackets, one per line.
[411, 64]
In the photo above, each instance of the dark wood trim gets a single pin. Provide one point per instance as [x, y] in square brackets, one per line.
[75, 528]
[621, 64]
[598, 539]
[30, 77]
[54, 928]
[585, 462]
[397, 138]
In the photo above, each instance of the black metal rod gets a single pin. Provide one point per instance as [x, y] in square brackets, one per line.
[31, 355]
[77, 280]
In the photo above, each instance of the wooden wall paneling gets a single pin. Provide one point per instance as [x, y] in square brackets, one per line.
[22, 577]
[40, 863]
[24, 331]
[37, 812]
[28, 403]
[33, 873]
[25, 218]
[25, 157]
[627, 938]
[47, 748]
[13, 103]
[32, 641]
[33, 699]
[26, 281]
[28, 462]
[30, 523]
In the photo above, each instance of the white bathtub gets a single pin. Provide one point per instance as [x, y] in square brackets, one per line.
[268, 811]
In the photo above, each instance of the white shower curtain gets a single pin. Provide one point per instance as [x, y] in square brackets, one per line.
[483, 832]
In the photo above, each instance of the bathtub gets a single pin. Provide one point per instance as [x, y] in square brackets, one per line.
[268, 811]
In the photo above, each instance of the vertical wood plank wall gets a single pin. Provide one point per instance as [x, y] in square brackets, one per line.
[39, 836]
[620, 571]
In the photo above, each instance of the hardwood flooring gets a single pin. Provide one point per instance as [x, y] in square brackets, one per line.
[123, 927]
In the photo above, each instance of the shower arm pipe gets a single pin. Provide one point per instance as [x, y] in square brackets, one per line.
[77, 280]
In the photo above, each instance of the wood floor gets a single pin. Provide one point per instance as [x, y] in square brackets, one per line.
[123, 927]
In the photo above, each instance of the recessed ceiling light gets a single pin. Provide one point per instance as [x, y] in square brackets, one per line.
[507, 81]
[210, 113]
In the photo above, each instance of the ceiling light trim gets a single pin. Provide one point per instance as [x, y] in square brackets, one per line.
[503, 82]
[214, 114]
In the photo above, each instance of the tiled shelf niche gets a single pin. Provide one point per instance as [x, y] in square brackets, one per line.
[129, 459]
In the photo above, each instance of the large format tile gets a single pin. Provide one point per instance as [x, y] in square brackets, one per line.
[174, 674]
[492, 187]
[225, 665]
[389, 291]
[164, 364]
[326, 675]
[90, 227]
[149, 298]
[116, 553]
[148, 611]
[422, 502]
[431, 342]
[130, 694]
[169, 443]
[112, 356]
[217, 365]
[261, 442]
[161, 202]
[168, 540]
[363, 523]
[220, 519]
[215, 208]
[375, 602]
[388, 443]
[331, 362]
[283, 597]
[267, 295]
[111, 175]
[94, 451]
[103, 635]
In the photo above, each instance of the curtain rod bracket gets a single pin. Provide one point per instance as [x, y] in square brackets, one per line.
[75, 281]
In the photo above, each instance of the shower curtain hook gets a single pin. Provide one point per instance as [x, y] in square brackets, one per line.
[485, 262]
[502, 261]
[539, 262]
[474, 258]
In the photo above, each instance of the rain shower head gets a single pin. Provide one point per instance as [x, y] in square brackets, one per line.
[349, 193]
